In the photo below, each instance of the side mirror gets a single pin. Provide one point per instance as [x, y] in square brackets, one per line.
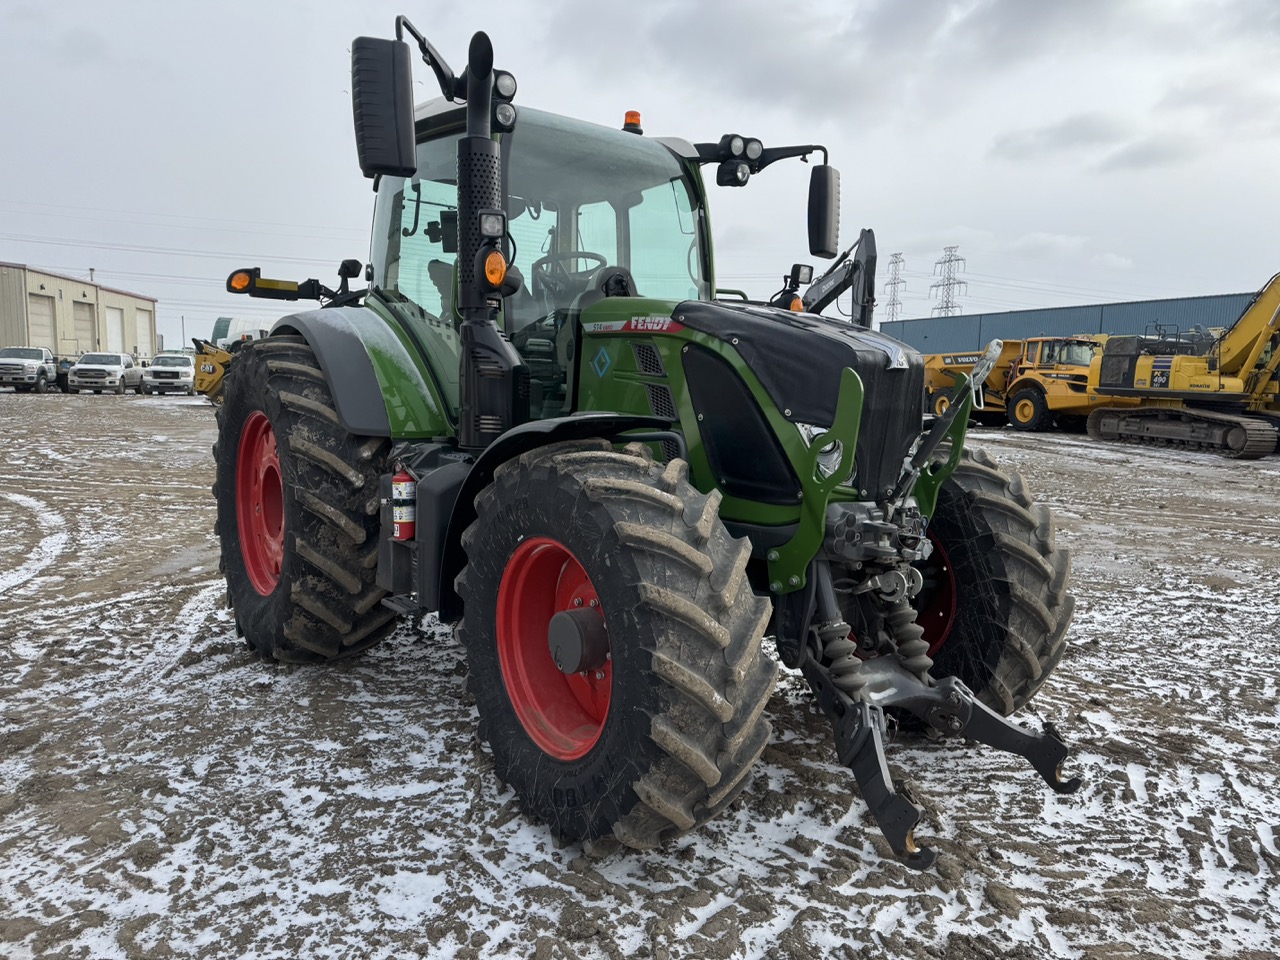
[382, 104]
[824, 211]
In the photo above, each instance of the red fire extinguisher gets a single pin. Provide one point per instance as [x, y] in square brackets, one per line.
[404, 505]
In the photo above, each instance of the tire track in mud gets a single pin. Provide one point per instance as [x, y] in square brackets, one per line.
[50, 546]
[163, 793]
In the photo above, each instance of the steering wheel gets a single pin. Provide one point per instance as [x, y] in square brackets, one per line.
[555, 283]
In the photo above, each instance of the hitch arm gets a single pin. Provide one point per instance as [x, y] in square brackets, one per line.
[859, 731]
[950, 708]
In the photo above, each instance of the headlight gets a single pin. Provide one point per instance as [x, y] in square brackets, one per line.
[829, 456]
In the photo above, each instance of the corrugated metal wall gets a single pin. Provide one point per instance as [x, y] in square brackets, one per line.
[948, 334]
[13, 307]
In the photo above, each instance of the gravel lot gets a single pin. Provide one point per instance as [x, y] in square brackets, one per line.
[164, 794]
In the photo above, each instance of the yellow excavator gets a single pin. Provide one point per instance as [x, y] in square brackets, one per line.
[212, 361]
[1223, 398]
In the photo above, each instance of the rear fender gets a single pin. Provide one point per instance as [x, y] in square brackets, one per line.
[380, 388]
[518, 440]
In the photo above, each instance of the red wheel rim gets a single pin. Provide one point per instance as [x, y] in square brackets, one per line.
[260, 503]
[563, 714]
[939, 610]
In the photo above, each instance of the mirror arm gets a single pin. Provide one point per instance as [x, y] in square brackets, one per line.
[454, 88]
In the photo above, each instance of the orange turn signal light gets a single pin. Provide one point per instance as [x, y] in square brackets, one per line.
[240, 281]
[495, 268]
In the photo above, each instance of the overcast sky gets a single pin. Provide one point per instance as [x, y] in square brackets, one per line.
[1074, 152]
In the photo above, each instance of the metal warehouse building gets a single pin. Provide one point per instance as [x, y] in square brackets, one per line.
[70, 316]
[960, 333]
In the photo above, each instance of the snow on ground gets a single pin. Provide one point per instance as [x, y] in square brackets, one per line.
[164, 794]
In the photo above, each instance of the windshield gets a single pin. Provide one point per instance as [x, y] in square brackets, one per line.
[1076, 353]
[102, 359]
[171, 362]
[22, 353]
[579, 197]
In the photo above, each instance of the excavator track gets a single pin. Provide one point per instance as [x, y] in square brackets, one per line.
[1237, 437]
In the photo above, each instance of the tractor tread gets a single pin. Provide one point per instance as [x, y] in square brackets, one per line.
[328, 605]
[1024, 572]
[702, 627]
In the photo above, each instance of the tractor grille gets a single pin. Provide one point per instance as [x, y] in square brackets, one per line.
[648, 360]
[661, 401]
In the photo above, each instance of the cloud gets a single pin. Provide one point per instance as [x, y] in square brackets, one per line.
[1081, 131]
[1160, 150]
[1112, 261]
[1040, 244]
[1223, 106]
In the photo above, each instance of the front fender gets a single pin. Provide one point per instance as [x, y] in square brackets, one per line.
[380, 388]
[517, 440]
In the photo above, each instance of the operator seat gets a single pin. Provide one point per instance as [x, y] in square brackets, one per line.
[605, 282]
[441, 275]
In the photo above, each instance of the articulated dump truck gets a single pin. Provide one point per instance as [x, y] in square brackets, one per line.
[542, 423]
[1036, 384]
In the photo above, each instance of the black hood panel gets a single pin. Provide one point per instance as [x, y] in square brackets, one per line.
[799, 359]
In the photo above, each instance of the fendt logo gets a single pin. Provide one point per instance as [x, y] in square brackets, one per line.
[652, 324]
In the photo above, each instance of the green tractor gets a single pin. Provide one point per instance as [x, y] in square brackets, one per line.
[540, 422]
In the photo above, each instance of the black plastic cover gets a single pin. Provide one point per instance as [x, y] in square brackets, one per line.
[741, 447]
[382, 105]
[800, 358]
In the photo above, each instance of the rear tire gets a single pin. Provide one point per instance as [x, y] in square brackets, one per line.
[995, 608]
[297, 510]
[661, 737]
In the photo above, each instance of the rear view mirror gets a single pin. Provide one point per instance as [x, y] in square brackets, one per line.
[824, 211]
[382, 104]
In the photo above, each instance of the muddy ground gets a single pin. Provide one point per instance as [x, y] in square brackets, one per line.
[164, 794]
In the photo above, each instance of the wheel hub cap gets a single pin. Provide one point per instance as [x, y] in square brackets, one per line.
[548, 610]
[260, 503]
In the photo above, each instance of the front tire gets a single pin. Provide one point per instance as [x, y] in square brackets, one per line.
[995, 607]
[42, 383]
[1028, 410]
[297, 510]
[658, 733]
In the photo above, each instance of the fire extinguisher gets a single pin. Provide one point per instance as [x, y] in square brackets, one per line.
[404, 505]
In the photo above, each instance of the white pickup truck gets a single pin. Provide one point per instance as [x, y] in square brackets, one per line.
[28, 368]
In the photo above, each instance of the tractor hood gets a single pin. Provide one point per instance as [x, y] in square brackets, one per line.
[799, 359]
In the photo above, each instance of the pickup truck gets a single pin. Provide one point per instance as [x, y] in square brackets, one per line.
[28, 368]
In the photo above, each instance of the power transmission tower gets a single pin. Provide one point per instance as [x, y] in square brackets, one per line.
[893, 284]
[948, 285]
